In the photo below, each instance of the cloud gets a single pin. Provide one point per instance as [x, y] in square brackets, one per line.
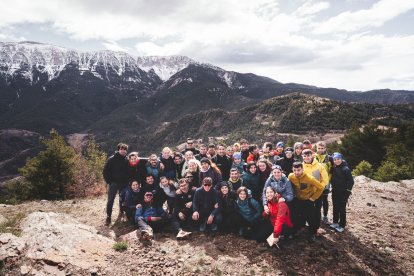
[114, 46]
[310, 8]
[376, 16]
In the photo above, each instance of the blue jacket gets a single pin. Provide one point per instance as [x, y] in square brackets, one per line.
[282, 187]
[130, 199]
[149, 210]
[252, 182]
[250, 212]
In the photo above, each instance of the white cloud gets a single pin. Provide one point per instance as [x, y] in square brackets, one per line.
[290, 45]
[376, 16]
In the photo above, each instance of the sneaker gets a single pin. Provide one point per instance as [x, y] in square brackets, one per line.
[340, 229]
[182, 234]
[325, 220]
[146, 235]
[311, 238]
[334, 225]
[203, 227]
[108, 221]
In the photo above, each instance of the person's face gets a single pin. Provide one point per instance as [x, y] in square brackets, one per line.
[298, 171]
[190, 143]
[184, 187]
[192, 167]
[242, 195]
[204, 166]
[189, 178]
[320, 149]
[177, 160]
[252, 169]
[256, 151]
[307, 158]
[189, 155]
[135, 186]
[236, 148]
[148, 197]
[234, 175]
[133, 159]
[164, 182]
[262, 166]
[212, 151]
[237, 161]
[270, 194]
[289, 154]
[221, 151]
[153, 162]
[277, 174]
[337, 161]
[265, 149]
[166, 154]
[279, 149]
[224, 190]
[245, 146]
[229, 151]
[203, 150]
[298, 151]
[123, 151]
[207, 186]
[149, 180]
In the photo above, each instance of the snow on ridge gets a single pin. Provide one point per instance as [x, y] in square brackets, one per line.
[164, 66]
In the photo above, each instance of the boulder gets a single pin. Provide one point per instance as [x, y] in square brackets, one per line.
[10, 246]
[58, 238]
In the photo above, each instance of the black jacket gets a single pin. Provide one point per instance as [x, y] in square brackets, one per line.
[342, 178]
[116, 169]
[286, 164]
[224, 164]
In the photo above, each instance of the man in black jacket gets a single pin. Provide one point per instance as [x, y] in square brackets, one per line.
[223, 162]
[116, 175]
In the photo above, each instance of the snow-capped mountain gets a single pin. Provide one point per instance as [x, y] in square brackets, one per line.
[164, 66]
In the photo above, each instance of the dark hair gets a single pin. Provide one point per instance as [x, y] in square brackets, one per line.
[122, 146]
[307, 142]
[297, 165]
[268, 145]
[182, 180]
[211, 145]
[178, 154]
[234, 170]
[250, 165]
[207, 180]
[252, 147]
[149, 175]
[242, 141]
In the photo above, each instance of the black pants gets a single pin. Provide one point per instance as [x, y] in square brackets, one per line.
[114, 188]
[231, 222]
[339, 200]
[304, 211]
[325, 202]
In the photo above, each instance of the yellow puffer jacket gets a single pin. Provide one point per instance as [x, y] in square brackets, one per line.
[306, 186]
[318, 171]
[324, 160]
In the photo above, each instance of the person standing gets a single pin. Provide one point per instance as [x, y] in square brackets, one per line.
[342, 183]
[116, 175]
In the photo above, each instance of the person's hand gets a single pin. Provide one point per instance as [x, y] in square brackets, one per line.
[216, 205]
[275, 241]
[311, 199]
[155, 218]
[162, 166]
[281, 199]
[178, 192]
[266, 209]
[210, 219]
[138, 206]
[188, 204]
[196, 215]
[181, 216]
[194, 188]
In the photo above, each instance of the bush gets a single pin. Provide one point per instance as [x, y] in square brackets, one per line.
[15, 191]
[389, 171]
[120, 246]
[363, 168]
[52, 170]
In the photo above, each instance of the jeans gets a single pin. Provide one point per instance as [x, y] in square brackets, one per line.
[114, 188]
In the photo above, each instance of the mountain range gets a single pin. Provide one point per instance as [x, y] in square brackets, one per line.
[155, 100]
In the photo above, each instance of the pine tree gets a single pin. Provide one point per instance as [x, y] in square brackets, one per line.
[52, 170]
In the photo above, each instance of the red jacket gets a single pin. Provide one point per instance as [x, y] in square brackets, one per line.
[279, 214]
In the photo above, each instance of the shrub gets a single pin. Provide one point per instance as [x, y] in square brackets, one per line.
[363, 168]
[390, 171]
[120, 246]
[15, 191]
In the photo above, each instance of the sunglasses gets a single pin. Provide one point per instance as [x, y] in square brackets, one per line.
[149, 195]
[276, 167]
[189, 176]
[207, 185]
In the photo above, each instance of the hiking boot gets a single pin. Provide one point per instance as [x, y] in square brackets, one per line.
[340, 229]
[182, 234]
[334, 225]
[325, 220]
[311, 238]
[146, 235]
[108, 221]
[203, 226]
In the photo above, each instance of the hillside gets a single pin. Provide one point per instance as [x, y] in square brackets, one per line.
[294, 113]
[378, 241]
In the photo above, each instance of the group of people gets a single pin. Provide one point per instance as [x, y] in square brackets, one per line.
[252, 191]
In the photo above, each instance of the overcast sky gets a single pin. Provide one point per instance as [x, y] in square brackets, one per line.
[350, 44]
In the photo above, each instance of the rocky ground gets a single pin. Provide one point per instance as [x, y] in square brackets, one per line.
[379, 240]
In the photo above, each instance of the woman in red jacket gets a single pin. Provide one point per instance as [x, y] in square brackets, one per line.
[278, 213]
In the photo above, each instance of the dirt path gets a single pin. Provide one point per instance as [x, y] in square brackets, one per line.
[379, 240]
